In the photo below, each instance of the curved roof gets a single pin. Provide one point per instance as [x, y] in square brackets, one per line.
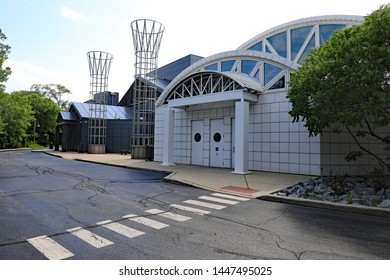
[239, 77]
[269, 55]
[212, 82]
[310, 21]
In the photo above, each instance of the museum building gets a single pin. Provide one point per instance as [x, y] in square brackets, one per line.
[230, 110]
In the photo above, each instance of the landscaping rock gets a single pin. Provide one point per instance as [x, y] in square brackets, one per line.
[385, 203]
[355, 190]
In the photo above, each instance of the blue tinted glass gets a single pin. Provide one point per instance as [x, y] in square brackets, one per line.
[281, 83]
[257, 47]
[257, 75]
[311, 45]
[227, 65]
[298, 37]
[247, 66]
[270, 71]
[279, 43]
[326, 31]
[212, 67]
[267, 49]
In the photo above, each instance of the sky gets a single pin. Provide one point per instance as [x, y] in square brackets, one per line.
[50, 39]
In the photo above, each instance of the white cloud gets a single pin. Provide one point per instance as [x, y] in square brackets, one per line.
[72, 15]
[25, 74]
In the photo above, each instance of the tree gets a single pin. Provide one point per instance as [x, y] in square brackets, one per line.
[17, 116]
[45, 112]
[4, 72]
[345, 84]
[55, 92]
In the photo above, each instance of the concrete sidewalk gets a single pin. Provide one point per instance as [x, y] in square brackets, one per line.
[254, 185]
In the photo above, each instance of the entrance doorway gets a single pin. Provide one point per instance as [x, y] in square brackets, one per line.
[197, 142]
[216, 143]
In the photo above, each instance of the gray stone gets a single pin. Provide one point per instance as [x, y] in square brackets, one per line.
[368, 191]
[385, 203]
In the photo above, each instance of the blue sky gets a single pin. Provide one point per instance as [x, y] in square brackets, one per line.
[49, 39]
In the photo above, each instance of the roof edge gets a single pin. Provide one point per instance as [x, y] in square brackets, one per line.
[347, 19]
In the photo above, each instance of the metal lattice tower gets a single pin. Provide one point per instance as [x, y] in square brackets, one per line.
[99, 68]
[147, 35]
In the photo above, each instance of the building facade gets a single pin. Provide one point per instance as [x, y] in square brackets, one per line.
[230, 109]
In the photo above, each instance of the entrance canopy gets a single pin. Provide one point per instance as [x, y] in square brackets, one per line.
[211, 86]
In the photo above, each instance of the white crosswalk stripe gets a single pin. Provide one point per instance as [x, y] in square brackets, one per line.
[89, 237]
[121, 229]
[50, 248]
[205, 204]
[190, 209]
[169, 215]
[146, 221]
[230, 196]
[219, 200]
[54, 251]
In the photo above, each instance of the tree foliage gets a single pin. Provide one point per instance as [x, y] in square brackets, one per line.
[45, 112]
[17, 116]
[346, 82]
[4, 72]
[55, 92]
[27, 117]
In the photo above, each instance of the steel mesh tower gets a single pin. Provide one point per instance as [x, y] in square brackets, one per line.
[99, 68]
[147, 35]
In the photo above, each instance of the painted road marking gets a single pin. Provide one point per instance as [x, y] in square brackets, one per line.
[220, 200]
[89, 237]
[190, 209]
[121, 229]
[145, 221]
[230, 196]
[51, 249]
[169, 215]
[205, 204]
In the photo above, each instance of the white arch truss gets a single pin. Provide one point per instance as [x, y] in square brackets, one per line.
[210, 82]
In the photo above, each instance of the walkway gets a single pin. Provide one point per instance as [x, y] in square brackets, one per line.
[255, 184]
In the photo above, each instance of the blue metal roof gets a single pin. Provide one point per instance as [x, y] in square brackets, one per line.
[68, 116]
[113, 112]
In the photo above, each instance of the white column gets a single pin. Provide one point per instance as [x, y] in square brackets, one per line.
[241, 155]
[168, 136]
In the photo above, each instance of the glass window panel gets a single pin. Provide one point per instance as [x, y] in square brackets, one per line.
[267, 49]
[298, 37]
[227, 65]
[212, 67]
[327, 30]
[311, 45]
[247, 66]
[257, 47]
[279, 43]
[257, 75]
[270, 71]
[281, 83]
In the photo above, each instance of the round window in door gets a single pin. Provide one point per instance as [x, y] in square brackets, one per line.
[197, 137]
[217, 137]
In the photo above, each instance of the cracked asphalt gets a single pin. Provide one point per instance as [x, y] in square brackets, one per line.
[45, 195]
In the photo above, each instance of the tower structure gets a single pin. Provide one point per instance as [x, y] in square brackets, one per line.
[147, 35]
[99, 68]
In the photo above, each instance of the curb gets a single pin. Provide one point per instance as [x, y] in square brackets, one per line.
[14, 150]
[366, 210]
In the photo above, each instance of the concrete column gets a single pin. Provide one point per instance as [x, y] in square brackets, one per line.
[168, 136]
[241, 155]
